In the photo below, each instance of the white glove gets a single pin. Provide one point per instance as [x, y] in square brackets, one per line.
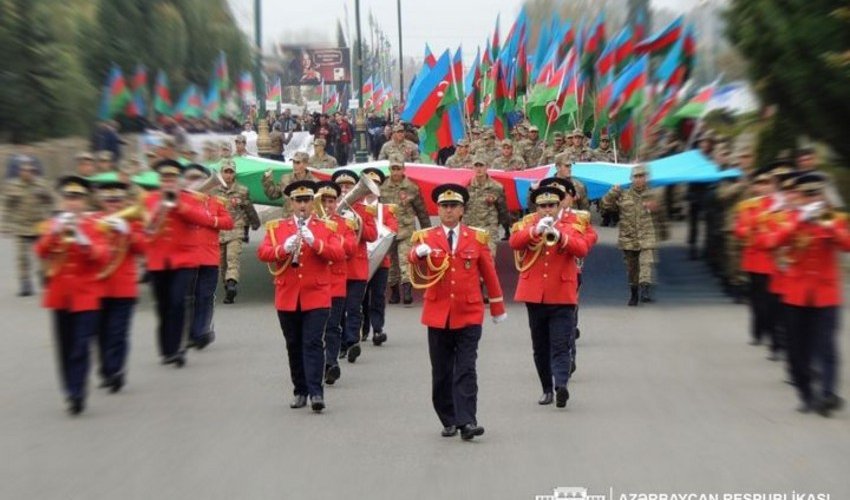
[422, 250]
[308, 236]
[61, 221]
[268, 173]
[82, 239]
[498, 319]
[809, 211]
[348, 214]
[289, 244]
[118, 224]
[544, 223]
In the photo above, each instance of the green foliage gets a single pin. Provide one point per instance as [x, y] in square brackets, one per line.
[791, 48]
[57, 53]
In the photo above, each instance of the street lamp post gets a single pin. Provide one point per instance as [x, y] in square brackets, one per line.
[361, 155]
[400, 56]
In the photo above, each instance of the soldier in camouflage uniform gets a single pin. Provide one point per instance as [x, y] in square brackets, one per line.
[487, 207]
[640, 223]
[235, 198]
[274, 190]
[565, 171]
[402, 192]
[576, 151]
[462, 158]
[27, 201]
[320, 158]
[507, 160]
[531, 147]
[730, 194]
[475, 140]
[488, 149]
[557, 147]
[604, 153]
[399, 146]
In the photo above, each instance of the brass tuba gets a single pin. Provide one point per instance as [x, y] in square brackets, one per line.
[364, 187]
[209, 184]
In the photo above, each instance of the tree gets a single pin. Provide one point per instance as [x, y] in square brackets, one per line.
[793, 49]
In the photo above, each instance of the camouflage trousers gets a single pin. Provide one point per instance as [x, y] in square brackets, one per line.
[732, 260]
[23, 246]
[230, 254]
[639, 265]
[398, 262]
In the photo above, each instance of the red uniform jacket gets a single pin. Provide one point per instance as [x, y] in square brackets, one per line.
[755, 258]
[339, 270]
[814, 270]
[390, 222]
[765, 238]
[590, 236]
[209, 249]
[358, 262]
[307, 285]
[175, 242]
[120, 276]
[72, 269]
[455, 301]
[552, 274]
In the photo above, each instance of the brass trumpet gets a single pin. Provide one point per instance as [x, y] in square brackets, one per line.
[299, 240]
[550, 235]
[131, 213]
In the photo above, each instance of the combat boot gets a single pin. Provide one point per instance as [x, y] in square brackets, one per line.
[633, 300]
[645, 293]
[407, 292]
[230, 291]
[394, 296]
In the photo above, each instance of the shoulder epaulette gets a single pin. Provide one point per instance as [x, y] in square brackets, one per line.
[371, 210]
[582, 215]
[392, 207]
[331, 224]
[839, 216]
[419, 236]
[351, 223]
[482, 235]
[272, 224]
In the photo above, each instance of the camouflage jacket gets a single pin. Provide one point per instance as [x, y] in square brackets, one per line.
[531, 152]
[407, 150]
[406, 196]
[639, 226]
[326, 161]
[508, 164]
[455, 161]
[580, 201]
[487, 207]
[274, 190]
[25, 205]
[549, 154]
[238, 204]
[603, 155]
[574, 155]
[729, 195]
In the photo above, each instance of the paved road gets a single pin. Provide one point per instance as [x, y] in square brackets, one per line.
[667, 398]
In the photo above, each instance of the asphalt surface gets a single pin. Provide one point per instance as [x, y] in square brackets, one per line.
[667, 398]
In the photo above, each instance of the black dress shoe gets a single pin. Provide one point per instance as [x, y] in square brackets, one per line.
[449, 431]
[178, 360]
[317, 403]
[76, 406]
[561, 396]
[116, 383]
[299, 401]
[774, 356]
[469, 431]
[343, 352]
[332, 374]
[546, 399]
[572, 367]
[353, 353]
[379, 338]
[578, 334]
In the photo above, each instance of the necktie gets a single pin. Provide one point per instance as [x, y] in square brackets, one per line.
[451, 241]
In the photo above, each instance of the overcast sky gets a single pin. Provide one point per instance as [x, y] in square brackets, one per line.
[441, 23]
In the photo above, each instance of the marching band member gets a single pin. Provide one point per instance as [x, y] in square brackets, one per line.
[328, 192]
[298, 250]
[75, 254]
[447, 261]
[375, 302]
[202, 291]
[172, 257]
[546, 248]
[126, 238]
[363, 221]
[815, 234]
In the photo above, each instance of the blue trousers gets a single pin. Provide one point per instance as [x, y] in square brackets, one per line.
[74, 331]
[206, 281]
[454, 381]
[333, 331]
[113, 334]
[552, 333]
[375, 301]
[812, 340]
[354, 292]
[304, 335]
[170, 288]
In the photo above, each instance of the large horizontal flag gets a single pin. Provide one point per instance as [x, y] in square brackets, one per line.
[663, 39]
[431, 85]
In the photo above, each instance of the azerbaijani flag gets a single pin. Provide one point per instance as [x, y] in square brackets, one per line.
[663, 39]
[274, 93]
[221, 73]
[190, 105]
[696, 107]
[246, 87]
[116, 95]
[431, 85]
[366, 92]
[162, 96]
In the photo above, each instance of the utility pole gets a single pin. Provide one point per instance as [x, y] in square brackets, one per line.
[259, 80]
[361, 155]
